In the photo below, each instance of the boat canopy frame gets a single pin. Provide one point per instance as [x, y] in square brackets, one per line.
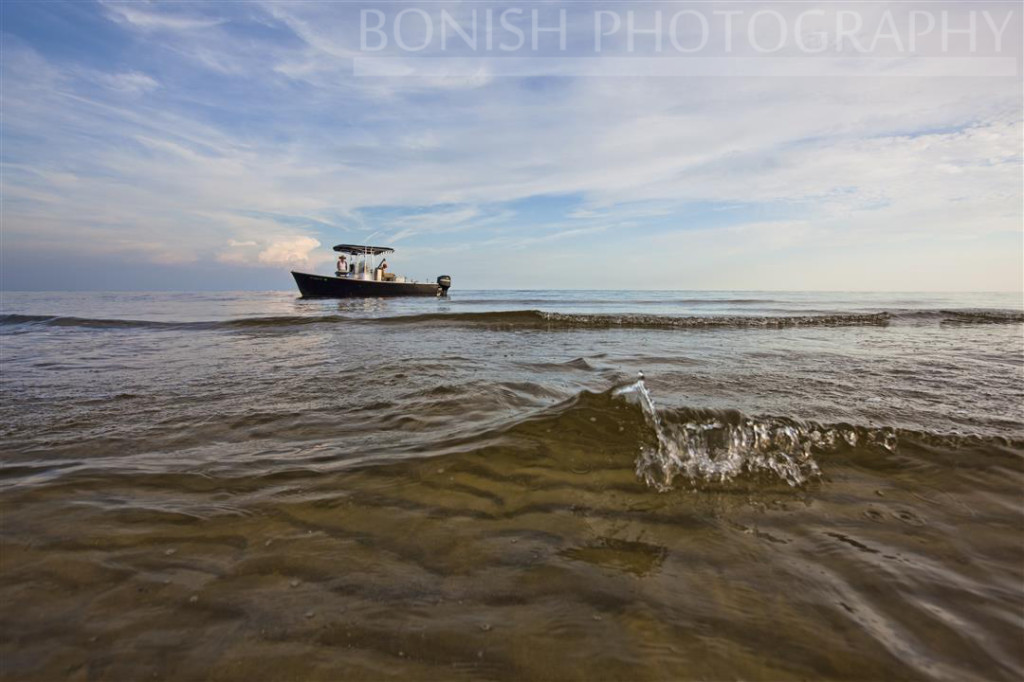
[357, 250]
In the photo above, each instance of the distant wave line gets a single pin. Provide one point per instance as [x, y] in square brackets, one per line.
[539, 319]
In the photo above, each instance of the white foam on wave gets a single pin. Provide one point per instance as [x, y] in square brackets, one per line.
[715, 451]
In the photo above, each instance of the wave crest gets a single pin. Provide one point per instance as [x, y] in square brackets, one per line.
[544, 320]
[982, 317]
[541, 319]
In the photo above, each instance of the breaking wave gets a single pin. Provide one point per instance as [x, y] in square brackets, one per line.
[539, 319]
[516, 318]
[704, 449]
[963, 316]
[240, 323]
[708, 450]
[543, 319]
[639, 301]
[982, 316]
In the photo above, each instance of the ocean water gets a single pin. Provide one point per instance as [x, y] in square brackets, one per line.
[512, 485]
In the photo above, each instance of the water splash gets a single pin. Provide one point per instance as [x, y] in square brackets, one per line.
[719, 449]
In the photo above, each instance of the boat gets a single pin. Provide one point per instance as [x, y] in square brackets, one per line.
[363, 278]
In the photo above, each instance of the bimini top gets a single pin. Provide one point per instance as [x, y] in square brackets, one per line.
[356, 250]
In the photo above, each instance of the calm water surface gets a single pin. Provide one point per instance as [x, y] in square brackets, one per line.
[254, 486]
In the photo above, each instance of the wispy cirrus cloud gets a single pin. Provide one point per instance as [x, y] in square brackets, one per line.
[140, 15]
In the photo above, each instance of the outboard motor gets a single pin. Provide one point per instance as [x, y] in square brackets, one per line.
[444, 282]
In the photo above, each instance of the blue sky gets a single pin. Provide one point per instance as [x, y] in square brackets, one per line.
[195, 145]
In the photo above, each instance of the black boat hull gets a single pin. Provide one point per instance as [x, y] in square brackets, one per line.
[320, 286]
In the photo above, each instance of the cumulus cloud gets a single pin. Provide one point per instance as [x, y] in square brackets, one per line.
[288, 251]
[285, 251]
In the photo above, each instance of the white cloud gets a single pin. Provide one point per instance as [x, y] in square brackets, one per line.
[133, 82]
[131, 13]
[280, 251]
[288, 251]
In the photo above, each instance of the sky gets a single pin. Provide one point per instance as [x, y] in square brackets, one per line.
[218, 145]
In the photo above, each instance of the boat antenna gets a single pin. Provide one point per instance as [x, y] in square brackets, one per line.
[366, 240]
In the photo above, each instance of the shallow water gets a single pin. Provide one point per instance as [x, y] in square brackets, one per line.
[254, 486]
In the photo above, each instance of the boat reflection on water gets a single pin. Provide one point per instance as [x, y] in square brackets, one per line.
[365, 278]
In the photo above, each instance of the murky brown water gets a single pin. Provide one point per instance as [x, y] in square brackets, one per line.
[464, 499]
